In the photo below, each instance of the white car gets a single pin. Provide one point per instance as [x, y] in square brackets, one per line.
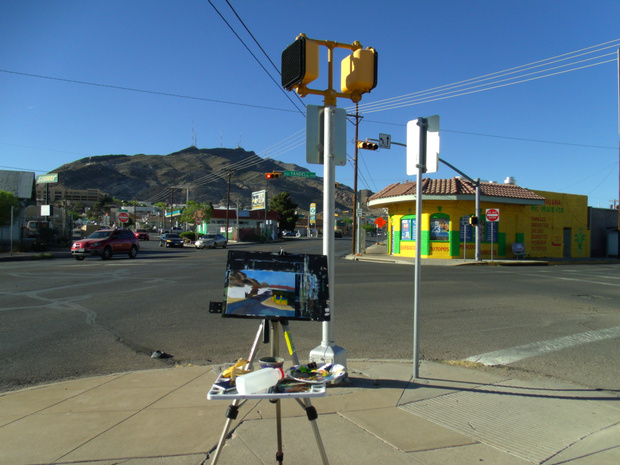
[211, 240]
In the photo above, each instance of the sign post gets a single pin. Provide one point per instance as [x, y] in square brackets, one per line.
[492, 215]
[422, 157]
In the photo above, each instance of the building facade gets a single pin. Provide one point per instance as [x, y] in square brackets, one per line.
[548, 224]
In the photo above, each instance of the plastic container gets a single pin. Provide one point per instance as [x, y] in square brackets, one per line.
[271, 362]
[258, 381]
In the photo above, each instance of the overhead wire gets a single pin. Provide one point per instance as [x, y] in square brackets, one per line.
[144, 91]
[255, 58]
[262, 49]
[437, 93]
[445, 90]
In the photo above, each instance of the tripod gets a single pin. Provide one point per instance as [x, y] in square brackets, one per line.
[302, 398]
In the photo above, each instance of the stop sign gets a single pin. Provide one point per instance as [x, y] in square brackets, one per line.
[123, 217]
[492, 214]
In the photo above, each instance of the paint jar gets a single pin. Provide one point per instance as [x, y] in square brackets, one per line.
[258, 381]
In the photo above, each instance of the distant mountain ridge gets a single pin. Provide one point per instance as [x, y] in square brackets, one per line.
[157, 178]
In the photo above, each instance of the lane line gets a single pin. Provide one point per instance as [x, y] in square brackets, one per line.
[563, 278]
[514, 354]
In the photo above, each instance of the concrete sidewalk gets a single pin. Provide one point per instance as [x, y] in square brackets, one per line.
[450, 415]
[378, 253]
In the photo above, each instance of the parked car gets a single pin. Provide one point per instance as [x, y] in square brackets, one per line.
[212, 241]
[337, 233]
[171, 240]
[291, 234]
[105, 243]
[142, 234]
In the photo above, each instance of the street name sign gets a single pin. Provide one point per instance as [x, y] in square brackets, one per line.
[300, 174]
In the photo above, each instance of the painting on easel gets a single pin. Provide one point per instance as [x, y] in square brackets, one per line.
[269, 285]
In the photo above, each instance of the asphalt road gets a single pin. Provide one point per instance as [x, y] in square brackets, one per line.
[63, 319]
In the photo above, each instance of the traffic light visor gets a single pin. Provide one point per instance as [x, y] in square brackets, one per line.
[358, 71]
[300, 63]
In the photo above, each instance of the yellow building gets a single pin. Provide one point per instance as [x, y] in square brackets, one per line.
[548, 224]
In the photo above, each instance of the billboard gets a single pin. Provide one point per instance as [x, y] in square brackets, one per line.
[259, 200]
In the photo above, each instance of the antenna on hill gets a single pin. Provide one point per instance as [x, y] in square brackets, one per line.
[194, 137]
[221, 140]
[240, 140]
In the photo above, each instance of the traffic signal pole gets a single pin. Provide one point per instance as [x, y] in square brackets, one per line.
[328, 351]
[300, 66]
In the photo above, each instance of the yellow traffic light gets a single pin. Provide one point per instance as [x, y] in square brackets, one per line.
[361, 144]
[300, 63]
[358, 71]
[473, 220]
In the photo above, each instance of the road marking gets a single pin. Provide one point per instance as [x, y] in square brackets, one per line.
[562, 278]
[514, 354]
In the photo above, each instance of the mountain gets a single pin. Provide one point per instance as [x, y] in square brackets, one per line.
[155, 178]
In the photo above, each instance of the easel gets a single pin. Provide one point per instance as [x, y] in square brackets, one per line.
[233, 409]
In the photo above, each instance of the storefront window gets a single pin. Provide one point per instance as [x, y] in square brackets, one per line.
[440, 228]
[466, 229]
[407, 229]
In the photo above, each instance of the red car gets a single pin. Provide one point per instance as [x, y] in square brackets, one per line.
[142, 235]
[105, 243]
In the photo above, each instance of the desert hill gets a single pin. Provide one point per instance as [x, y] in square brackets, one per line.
[155, 178]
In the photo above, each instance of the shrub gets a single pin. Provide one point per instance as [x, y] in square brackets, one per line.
[188, 236]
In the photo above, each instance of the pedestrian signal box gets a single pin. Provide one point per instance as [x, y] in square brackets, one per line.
[358, 71]
[300, 63]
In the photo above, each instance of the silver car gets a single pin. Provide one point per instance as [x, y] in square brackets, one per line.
[212, 241]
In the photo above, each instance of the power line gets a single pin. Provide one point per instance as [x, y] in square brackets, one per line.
[499, 74]
[130, 89]
[255, 58]
[263, 50]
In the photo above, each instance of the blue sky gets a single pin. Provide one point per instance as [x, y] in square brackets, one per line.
[558, 133]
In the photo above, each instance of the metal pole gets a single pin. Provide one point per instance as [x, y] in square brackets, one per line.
[355, 245]
[477, 227]
[228, 203]
[423, 123]
[11, 249]
[328, 352]
[329, 188]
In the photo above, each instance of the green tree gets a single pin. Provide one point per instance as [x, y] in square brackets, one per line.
[285, 207]
[8, 200]
[196, 212]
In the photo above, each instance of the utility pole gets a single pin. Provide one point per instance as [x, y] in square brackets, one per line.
[354, 247]
[230, 173]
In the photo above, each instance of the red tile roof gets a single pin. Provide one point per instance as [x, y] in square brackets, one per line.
[456, 186]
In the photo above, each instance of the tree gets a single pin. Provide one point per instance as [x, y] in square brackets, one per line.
[285, 207]
[196, 213]
[8, 200]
